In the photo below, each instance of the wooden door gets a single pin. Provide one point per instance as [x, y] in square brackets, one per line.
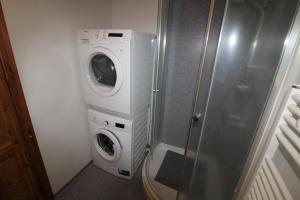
[22, 173]
[14, 181]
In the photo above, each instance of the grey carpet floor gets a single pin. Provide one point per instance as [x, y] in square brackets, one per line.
[93, 183]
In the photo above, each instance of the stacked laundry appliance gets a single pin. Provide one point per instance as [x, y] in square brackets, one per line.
[117, 69]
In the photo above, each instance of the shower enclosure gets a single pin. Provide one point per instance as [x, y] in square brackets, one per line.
[216, 64]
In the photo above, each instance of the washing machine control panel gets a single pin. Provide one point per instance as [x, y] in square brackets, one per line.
[114, 125]
[109, 124]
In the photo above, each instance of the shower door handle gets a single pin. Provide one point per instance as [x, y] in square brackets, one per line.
[196, 117]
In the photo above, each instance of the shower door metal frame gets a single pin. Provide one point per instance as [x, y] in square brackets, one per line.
[205, 72]
[158, 69]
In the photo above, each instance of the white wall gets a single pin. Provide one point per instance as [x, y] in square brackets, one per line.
[43, 37]
[140, 15]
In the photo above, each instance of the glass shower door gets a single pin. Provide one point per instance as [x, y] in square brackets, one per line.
[232, 100]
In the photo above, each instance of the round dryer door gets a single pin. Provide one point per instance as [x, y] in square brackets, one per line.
[107, 145]
[104, 70]
[104, 73]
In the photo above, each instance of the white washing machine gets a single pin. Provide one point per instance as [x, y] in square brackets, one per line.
[116, 147]
[117, 68]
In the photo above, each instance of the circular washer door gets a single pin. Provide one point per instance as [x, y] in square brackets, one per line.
[107, 145]
[104, 72]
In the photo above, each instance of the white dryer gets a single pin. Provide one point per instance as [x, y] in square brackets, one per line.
[117, 68]
[117, 147]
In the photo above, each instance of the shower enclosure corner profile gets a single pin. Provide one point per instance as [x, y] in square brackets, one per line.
[157, 101]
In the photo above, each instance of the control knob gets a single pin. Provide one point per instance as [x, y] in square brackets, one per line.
[106, 123]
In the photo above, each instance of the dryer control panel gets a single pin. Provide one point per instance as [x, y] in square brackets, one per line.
[104, 35]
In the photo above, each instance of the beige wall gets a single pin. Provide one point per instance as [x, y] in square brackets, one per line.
[43, 36]
[140, 15]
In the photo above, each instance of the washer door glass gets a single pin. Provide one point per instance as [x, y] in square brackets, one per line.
[104, 70]
[106, 144]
